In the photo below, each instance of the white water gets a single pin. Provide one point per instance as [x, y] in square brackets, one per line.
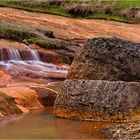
[13, 61]
[14, 54]
[35, 55]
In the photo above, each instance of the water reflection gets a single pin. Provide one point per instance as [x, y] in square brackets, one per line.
[43, 125]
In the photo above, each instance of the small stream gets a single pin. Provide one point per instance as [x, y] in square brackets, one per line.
[27, 64]
[42, 124]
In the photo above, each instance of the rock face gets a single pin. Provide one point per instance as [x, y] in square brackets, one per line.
[46, 96]
[17, 96]
[30, 98]
[107, 59]
[8, 105]
[98, 100]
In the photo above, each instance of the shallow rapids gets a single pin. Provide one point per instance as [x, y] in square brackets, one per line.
[28, 64]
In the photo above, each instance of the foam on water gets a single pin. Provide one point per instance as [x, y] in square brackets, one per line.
[12, 59]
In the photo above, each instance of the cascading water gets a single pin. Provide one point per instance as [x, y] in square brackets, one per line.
[13, 54]
[28, 63]
[35, 55]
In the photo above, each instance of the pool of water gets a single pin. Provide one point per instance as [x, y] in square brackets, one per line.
[43, 125]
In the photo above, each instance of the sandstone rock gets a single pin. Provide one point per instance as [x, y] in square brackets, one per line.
[98, 100]
[8, 105]
[23, 96]
[29, 98]
[5, 78]
[107, 59]
[46, 96]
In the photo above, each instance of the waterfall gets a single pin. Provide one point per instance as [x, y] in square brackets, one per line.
[15, 54]
[27, 63]
[1, 54]
[35, 55]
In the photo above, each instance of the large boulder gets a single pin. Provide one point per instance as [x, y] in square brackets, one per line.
[98, 100]
[107, 59]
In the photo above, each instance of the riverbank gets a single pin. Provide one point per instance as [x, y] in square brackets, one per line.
[36, 51]
[123, 11]
[75, 30]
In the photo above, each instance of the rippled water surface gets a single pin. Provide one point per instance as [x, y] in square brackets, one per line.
[43, 124]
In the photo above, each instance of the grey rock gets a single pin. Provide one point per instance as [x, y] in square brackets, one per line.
[107, 59]
[98, 100]
[124, 131]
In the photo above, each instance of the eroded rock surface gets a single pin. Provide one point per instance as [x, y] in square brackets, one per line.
[8, 105]
[107, 59]
[98, 100]
[17, 96]
[123, 131]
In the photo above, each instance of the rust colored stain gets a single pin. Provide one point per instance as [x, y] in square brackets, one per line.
[72, 28]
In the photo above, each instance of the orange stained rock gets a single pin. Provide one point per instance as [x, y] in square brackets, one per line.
[70, 28]
[24, 96]
[5, 78]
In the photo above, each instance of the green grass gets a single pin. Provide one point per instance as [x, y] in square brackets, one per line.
[33, 35]
[110, 17]
[45, 7]
[125, 3]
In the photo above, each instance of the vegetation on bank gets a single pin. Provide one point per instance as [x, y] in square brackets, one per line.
[112, 10]
[27, 34]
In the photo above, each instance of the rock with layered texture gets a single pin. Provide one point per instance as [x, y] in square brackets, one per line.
[8, 105]
[30, 97]
[107, 59]
[98, 100]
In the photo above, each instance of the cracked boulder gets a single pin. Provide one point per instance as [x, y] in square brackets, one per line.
[110, 59]
[98, 100]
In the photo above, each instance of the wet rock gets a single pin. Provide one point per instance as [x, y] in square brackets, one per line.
[54, 57]
[111, 59]
[23, 96]
[29, 98]
[46, 96]
[123, 131]
[8, 105]
[98, 100]
[5, 78]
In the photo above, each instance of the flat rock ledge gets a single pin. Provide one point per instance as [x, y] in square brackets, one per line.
[98, 100]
